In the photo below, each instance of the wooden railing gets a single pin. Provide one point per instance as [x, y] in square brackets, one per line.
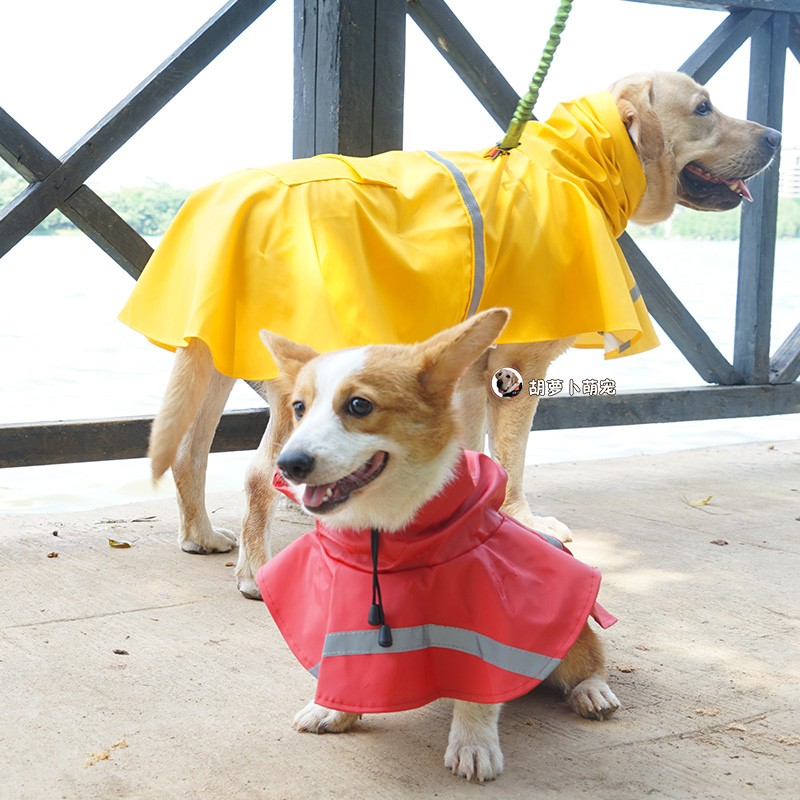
[354, 105]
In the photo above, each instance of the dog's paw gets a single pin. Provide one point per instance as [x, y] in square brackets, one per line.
[473, 746]
[249, 588]
[593, 699]
[318, 719]
[213, 540]
[474, 761]
[551, 526]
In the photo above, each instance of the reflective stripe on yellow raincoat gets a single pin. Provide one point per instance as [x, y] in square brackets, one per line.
[336, 252]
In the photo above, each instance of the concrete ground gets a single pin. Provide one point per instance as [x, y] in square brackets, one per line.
[140, 672]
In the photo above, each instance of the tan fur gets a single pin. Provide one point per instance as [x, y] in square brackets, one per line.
[635, 103]
[659, 110]
[187, 387]
[585, 658]
[411, 389]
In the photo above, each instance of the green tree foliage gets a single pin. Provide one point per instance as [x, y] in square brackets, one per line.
[147, 209]
[11, 185]
[721, 226]
[788, 219]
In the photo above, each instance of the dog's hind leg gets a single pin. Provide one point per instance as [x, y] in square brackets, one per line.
[254, 547]
[510, 420]
[473, 747]
[181, 438]
[186, 390]
[189, 470]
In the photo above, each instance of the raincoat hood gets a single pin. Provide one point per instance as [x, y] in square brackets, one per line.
[585, 143]
[337, 252]
[480, 608]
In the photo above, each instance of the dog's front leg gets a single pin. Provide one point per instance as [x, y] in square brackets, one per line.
[318, 719]
[510, 420]
[261, 496]
[473, 748]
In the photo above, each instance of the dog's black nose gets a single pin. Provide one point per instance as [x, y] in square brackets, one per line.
[296, 464]
[772, 138]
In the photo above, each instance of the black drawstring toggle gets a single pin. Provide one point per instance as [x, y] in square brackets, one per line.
[375, 616]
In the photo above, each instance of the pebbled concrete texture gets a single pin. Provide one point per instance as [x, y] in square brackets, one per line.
[140, 672]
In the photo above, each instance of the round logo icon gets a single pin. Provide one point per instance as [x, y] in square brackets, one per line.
[506, 382]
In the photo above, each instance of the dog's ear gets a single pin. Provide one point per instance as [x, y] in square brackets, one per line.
[288, 355]
[445, 357]
[635, 103]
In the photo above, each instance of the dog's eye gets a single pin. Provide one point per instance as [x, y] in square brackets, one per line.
[299, 409]
[359, 406]
[704, 109]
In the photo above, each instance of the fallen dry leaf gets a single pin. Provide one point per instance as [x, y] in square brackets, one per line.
[104, 755]
[699, 503]
[118, 543]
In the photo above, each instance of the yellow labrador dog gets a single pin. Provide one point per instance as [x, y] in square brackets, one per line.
[659, 142]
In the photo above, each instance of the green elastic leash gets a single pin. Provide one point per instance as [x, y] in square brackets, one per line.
[524, 111]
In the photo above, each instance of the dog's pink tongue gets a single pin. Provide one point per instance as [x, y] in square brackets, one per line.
[315, 496]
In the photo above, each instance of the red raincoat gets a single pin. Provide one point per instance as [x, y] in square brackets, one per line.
[481, 608]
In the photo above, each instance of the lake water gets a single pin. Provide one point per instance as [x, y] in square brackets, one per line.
[65, 356]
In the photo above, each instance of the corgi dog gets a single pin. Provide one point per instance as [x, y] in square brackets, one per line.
[373, 453]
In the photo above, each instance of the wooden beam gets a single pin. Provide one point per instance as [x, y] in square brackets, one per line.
[84, 209]
[759, 218]
[465, 56]
[722, 43]
[729, 5]
[794, 36]
[668, 405]
[785, 364]
[675, 319]
[32, 444]
[349, 76]
[25, 212]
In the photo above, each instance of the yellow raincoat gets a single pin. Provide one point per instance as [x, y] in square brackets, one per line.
[336, 252]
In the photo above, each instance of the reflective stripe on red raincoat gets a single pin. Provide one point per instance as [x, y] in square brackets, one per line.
[481, 608]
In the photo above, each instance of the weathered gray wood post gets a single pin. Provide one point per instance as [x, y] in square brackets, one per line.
[349, 76]
[751, 356]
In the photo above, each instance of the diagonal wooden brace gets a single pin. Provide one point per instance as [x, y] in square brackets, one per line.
[88, 212]
[30, 207]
